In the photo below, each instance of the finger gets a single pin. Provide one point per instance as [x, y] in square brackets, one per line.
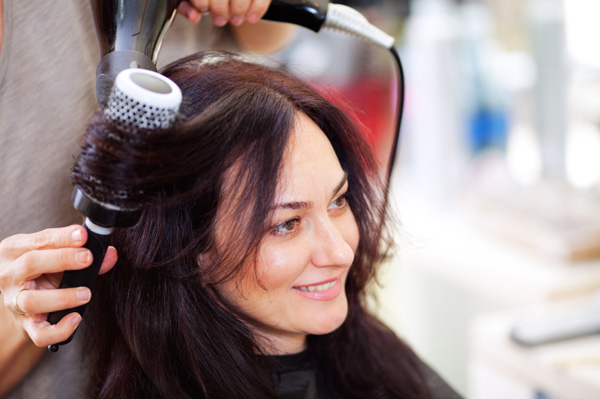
[192, 14]
[109, 260]
[238, 10]
[219, 11]
[33, 264]
[202, 6]
[16, 245]
[35, 302]
[257, 10]
[43, 333]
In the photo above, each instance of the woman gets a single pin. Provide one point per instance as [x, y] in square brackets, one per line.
[246, 274]
[267, 225]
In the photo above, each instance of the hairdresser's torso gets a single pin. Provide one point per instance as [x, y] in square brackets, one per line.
[47, 92]
[48, 64]
[1, 25]
[47, 69]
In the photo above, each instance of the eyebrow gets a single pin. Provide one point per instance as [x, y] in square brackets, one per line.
[295, 205]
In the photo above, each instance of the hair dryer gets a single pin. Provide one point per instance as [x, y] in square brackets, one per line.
[131, 32]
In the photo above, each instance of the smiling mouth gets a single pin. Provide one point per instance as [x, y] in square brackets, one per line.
[318, 288]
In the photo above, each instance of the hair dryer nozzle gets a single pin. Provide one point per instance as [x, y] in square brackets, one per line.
[109, 67]
[130, 34]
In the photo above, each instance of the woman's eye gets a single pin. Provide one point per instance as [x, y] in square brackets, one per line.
[339, 202]
[286, 227]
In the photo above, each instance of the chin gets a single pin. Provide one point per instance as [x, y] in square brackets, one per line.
[328, 322]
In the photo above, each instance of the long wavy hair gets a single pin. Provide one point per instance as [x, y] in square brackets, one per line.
[157, 326]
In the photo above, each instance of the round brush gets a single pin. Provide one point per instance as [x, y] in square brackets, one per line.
[141, 101]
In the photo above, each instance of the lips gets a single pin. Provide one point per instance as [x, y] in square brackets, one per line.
[318, 288]
[322, 291]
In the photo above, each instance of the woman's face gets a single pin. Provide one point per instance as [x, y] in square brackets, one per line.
[303, 261]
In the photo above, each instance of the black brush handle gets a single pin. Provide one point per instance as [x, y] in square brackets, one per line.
[98, 244]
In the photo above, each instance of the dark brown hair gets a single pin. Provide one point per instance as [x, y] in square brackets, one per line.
[157, 326]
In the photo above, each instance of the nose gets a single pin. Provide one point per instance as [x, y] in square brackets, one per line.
[330, 249]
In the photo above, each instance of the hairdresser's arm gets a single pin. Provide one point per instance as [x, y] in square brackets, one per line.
[251, 33]
[35, 263]
[264, 36]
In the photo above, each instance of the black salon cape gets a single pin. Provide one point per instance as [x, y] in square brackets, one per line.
[298, 379]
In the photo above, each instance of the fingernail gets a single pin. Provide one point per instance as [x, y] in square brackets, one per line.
[237, 20]
[83, 256]
[220, 21]
[76, 320]
[194, 16]
[76, 235]
[184, 8]
[252, 17]
[83, 294]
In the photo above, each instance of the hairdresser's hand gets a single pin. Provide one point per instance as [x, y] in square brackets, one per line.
[224, 11]
[35, 264]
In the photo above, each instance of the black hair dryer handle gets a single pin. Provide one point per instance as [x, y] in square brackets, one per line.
[97, 242]
[310, 14]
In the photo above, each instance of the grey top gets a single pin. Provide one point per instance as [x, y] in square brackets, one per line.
[64, 374]
[47, 94]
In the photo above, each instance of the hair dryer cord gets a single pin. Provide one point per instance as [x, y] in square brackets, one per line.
[347, 20]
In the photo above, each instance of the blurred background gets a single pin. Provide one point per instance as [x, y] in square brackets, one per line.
[496, 184]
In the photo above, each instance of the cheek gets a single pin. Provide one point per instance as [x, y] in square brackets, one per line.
[279, 266]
